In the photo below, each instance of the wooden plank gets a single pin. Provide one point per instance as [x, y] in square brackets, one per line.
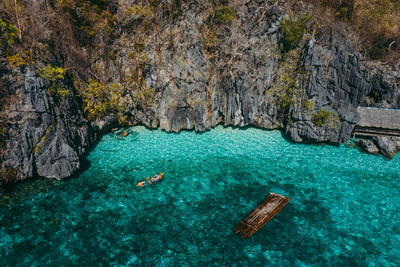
[261, 215]
[371, 131]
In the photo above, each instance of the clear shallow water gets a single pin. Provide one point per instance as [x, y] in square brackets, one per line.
[344, 208]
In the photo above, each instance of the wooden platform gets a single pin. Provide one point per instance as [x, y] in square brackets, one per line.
[261, 215]
[371, 131]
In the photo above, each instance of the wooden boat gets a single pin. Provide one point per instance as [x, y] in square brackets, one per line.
[261, 215]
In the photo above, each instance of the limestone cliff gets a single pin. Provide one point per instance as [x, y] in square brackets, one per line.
[46, 137]
[203, 73]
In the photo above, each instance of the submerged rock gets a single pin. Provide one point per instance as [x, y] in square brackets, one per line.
[123, 134]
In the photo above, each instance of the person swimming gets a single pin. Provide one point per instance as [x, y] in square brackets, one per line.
[150, 180]
[155, 178]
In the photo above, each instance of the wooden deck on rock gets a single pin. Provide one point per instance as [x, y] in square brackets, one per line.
[261, 215]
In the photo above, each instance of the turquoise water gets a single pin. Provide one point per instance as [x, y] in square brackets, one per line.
[344, 208]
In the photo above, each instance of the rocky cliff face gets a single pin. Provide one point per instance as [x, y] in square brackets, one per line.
[336, 84]
[385, 81]
[233, 74]
[47, 137]
[236, 83]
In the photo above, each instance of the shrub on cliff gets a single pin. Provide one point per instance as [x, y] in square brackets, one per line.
[293, 30]
[19, 59]
[325, 118]
[99, 98]
[224, 15]
[289, 89]
[55, 75]
[3, 130]
[8, 35]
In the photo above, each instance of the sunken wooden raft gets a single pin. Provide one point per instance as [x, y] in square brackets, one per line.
[261, 215]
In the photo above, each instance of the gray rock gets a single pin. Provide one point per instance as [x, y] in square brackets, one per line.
[48, 135]
[396, 141]
[336, 85]
[386, 146]
[57, 160]
[368, 146]
[384, 80]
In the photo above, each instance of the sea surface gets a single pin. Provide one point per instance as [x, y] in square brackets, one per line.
[344, 208]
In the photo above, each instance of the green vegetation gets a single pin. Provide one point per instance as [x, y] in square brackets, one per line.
[289, 91]
[96, 20]
[51, 73]
[55, 75]
[146, 12]
[99, 99]
[285, 92]
[112, 55]
[219, 14]
[140, 93]
[324, 117]
[42, 140]
[3, 130]
[209, 38]
[223, 15]
[293, 30]
[139, 46]
[8, 35]
[69, 25]
[374, 96]
[145, 96]
[290, 88]
[23, 58]
[308, 104]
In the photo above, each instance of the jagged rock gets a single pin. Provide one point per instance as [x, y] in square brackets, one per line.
[384, 80]
[105, 124]
[368, 146]
[396, 141]
[48, 135]
[336, 85]
[58, 159]
[386, 146]
[198, 89]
